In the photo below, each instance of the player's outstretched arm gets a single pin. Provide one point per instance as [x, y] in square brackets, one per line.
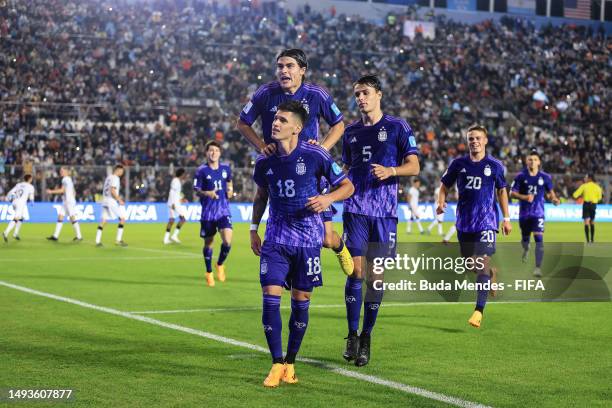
[321, 202]
[250, 135]
[410, 167]
[502, 197]
[441, 203]
[523, 197]
[334, 134]
[259, 207]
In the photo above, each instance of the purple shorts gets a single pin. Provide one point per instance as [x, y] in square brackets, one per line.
[209, 228]
[477, 243]
[290, 266]
[370, 236]
[328, 214]
[531, 224]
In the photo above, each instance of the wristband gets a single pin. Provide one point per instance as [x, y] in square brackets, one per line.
[507, 219]
[254, 227]
[394, 172]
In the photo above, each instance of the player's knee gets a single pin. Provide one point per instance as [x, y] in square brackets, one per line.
[171, 221]
[272, 290]
[300, 295]
[538, 237]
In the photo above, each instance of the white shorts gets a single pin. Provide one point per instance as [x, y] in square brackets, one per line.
[440, 217]
[69, 209]
[179, 210]
[111, 209]
[20, 210]
[414, 212]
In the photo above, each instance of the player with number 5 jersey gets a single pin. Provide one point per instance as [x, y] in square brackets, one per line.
[479, 178]
[376, 150]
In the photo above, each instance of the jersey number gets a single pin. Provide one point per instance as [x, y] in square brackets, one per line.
[487, 236]
[473, 183]
[314, 266]
[367, 154]
[532, 190]
[218, 184]
[289, 190]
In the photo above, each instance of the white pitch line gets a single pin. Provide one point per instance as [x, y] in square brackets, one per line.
[408, 389]
[115, 258]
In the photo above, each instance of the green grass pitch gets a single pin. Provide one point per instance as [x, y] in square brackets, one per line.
[526, 354]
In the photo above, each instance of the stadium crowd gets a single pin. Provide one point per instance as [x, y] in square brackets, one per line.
[195, 63]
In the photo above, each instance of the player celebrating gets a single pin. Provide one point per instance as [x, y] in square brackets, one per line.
[291, 66]
[479, 177]
[112, 206]
[591, 193]
[175, 207]
[413, 200]
[376, 150]
[438, 218]
[19, 196]
[213, 184]
[530, 186]
[290, 254]
[68, 206]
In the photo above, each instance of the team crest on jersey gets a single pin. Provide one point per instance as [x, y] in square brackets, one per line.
[300, 167]
[382, 134]
[304, 103]
[224, 174]
[487, 170]
[540, 181]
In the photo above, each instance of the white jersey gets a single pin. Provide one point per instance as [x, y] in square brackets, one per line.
[110, 182]
[69, 193]
[21, 193]
[414, 197]
[174, 196]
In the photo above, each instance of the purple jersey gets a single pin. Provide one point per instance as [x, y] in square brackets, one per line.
[290, 181]
[207, 179]
[387, 143]
[477, 183]
[538, 185]
[316, 100]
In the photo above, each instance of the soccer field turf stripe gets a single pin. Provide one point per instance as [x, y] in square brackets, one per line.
[408, 389]
[93, 258]
[336, 306]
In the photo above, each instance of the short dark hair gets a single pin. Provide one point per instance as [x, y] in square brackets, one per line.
[296, 108]
[479, 128]
[369, 80]
[296, 54]
[212, 143]
[179, 172]
[27, 177]
[118, 166]
[590, 176]
[533, 152]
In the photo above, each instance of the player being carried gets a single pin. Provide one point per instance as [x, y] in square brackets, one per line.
[413, 201]
[291, 66]
[479, 179]
[175, 207]
[213, 184]
[291, 251]
[112, 206]
[19, 196]
[376, 150]
[530, 186]
[66, 189]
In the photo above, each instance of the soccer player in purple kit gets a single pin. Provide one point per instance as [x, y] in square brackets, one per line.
[531, 186]
[376, 150]
[213, 184]
[292, 245]
[479, 179]
[291, 66]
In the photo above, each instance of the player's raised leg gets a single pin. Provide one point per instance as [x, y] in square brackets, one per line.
[226, 245]
[334, 241]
